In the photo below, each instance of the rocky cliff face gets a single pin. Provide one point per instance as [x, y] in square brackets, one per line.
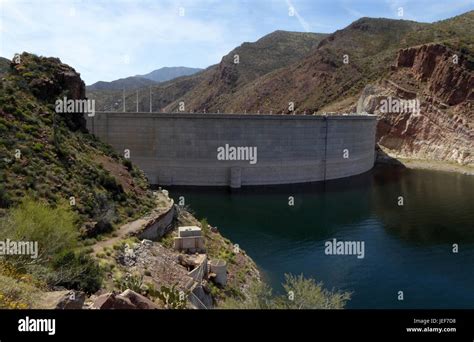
[48, 79]
[56, 160]
[440, 124]
[449, 77]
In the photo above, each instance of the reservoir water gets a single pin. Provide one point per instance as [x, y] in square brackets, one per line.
[408, 247]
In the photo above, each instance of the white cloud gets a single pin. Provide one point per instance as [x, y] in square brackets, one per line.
[91, 34]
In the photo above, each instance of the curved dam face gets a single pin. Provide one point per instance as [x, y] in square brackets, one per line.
[240, 149]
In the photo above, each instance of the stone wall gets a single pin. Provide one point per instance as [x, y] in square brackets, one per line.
[159, 226]
[181, 149]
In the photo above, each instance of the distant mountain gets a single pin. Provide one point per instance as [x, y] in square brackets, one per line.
[129, 83]
[141, 81]
[169, 73]
[337, 68]
[273, 51]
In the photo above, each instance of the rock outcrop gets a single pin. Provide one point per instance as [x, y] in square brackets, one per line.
[441, 85]
[65, 300]
[112, 301]
[126, 300]
[449, 77]
[49, 79]
[140, 302]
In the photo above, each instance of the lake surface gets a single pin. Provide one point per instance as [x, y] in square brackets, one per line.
[408, 248]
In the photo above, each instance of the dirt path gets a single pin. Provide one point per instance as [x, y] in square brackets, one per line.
[124, 231]
[163, 205]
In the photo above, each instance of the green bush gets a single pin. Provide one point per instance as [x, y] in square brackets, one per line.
[307, 294]
[204, 226]
[110, 184]
[15, 294]
[133, 282]
[53, 228]
[171, 297]
[301, 293]
[102, 226]
[75, 271]
[38, 147]
[128, 164]
[5, 199]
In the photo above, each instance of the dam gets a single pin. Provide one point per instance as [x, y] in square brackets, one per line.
[196, 149]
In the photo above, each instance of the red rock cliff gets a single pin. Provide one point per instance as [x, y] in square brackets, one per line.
[443, 128]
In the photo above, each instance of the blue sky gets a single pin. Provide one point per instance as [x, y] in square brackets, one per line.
[106, 40]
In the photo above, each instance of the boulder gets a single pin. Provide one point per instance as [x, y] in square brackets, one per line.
[64, 300]
[112, 301]
[141, 302]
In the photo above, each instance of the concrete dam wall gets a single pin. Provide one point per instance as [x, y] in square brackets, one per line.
[240, 149]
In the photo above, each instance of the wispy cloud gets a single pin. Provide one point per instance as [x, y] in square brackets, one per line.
[304, 24]
[110, 39]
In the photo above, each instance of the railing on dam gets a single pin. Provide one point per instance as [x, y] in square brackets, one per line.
[240, 149]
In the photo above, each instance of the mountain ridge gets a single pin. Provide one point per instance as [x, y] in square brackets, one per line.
[169, 73]
[146, 80]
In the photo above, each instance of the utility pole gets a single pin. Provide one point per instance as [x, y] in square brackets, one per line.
[123, 99]
[150, 100]
[137, 101]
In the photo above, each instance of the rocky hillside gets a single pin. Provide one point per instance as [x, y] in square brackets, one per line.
[330, 76]
[51, 156]
[322, 76]
[129, 83]
[169, 73]
[4, 66]
[219, 90]
[443, 128]
[214, 86]
[142, 81]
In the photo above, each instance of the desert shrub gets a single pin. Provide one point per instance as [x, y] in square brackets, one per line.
[133, 282]
[307, 294]
[16, 294]
[52, 228]
[301, 293]
[226, 254]
[259, 297]
[102, 226]
[3, 128]
[171, 297]
[129, 212]
[204, 226]
[76, 271]
[5, 199]
[38, 147]
[128, 164]
[110, 183]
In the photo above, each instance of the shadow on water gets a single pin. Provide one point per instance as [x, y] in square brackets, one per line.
[437, 207]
